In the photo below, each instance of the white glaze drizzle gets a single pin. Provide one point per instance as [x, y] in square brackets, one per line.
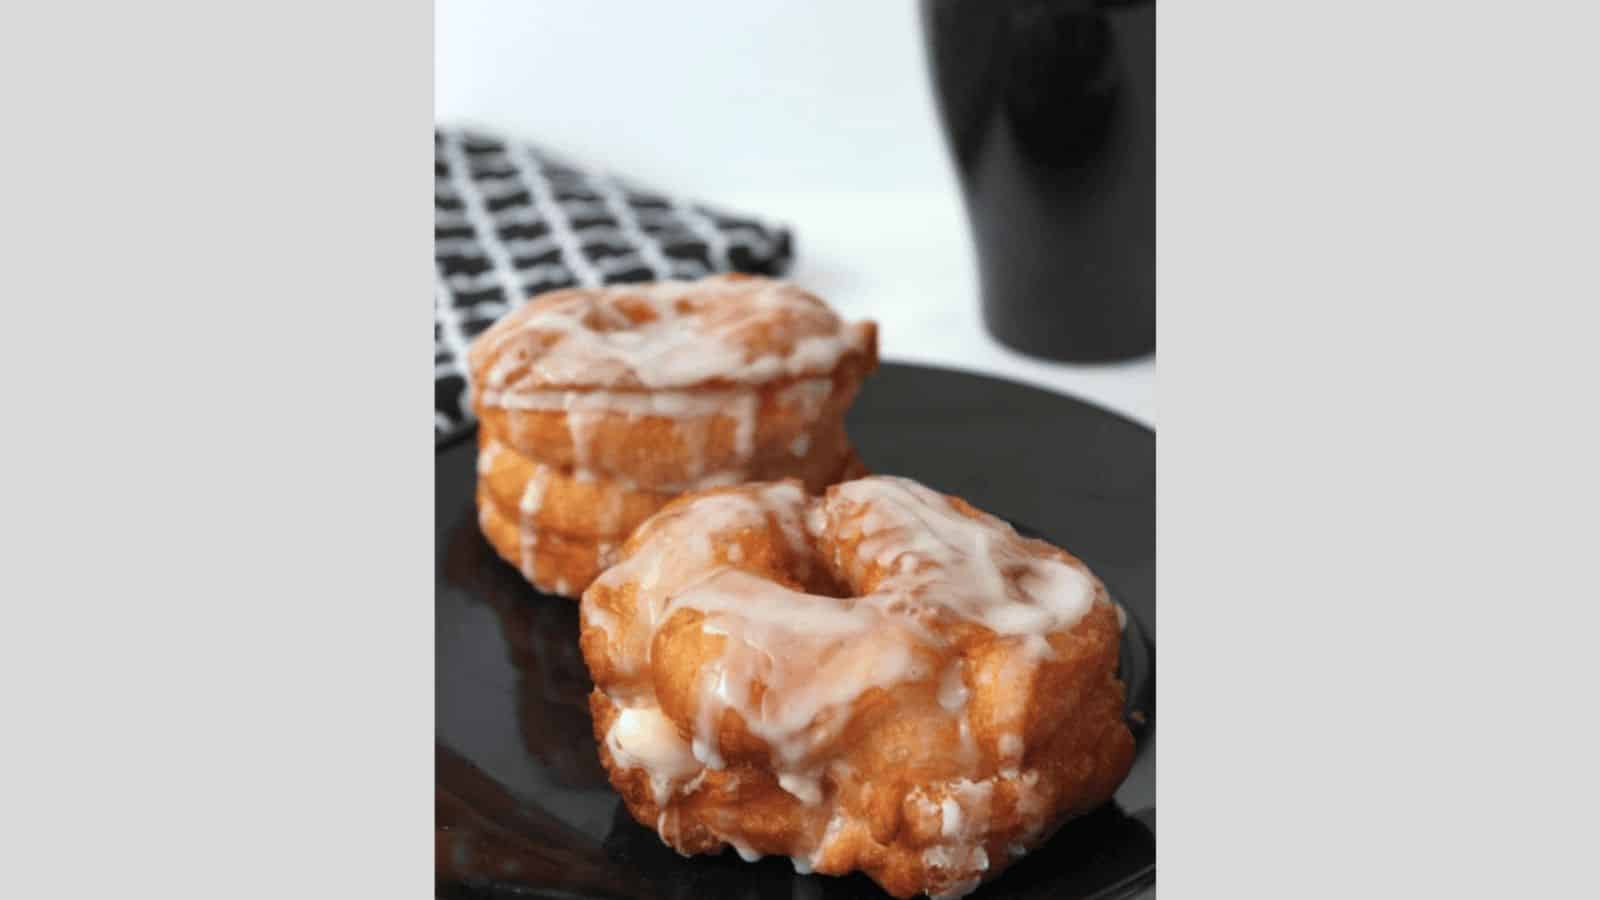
[641, 737]
[975, 569]
[487, 454]
[936, 561]
[953, 691]
[528, 507]
[789, 640]
[807, 788]
[680, 334]
[950, 818]
[533, 494]
[743, 410]
[634, 350]
[964, 814]
[659, 574]
[816, 655]
[694, 415]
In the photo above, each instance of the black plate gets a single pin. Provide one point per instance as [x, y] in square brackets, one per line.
[523, 807]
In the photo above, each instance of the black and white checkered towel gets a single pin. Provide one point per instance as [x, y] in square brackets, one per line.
[509, 223]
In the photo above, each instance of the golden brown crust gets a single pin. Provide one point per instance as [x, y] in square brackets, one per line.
[606, 508]
[662, 451]
[1040, 737]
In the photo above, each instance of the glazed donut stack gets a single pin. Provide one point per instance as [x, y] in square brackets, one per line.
[598, 406]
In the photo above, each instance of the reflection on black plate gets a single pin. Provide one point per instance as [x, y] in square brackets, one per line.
[523, 807]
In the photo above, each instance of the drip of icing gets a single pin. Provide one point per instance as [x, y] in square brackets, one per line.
[642, 737]
[806, 788]
[706, 753]
[695, 434]
[533, 494]
[744, 427]
[1010, 749]
[487, 455]
[950, 818]
[528, 507]
[952, 689]
[584, 415]
[964, 821]
[800, 445]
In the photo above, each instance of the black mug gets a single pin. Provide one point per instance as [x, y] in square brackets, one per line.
[1049, 109]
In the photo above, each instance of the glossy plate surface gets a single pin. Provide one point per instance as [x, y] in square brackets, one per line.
[523, 807]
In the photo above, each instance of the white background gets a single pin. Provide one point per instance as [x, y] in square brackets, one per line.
[815, 113]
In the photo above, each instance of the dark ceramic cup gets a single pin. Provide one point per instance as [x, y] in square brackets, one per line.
[1049, 110]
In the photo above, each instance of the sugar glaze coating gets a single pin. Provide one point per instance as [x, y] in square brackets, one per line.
[883, 678]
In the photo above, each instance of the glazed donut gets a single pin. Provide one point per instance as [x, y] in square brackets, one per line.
[579, 504]
[881, 679]
[599, 405]
[659, 385]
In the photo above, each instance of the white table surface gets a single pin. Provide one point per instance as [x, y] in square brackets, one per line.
[814, 113]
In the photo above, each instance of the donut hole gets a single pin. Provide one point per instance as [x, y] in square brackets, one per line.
[823, 582]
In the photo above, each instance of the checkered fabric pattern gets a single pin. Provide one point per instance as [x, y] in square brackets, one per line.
[510, 223]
